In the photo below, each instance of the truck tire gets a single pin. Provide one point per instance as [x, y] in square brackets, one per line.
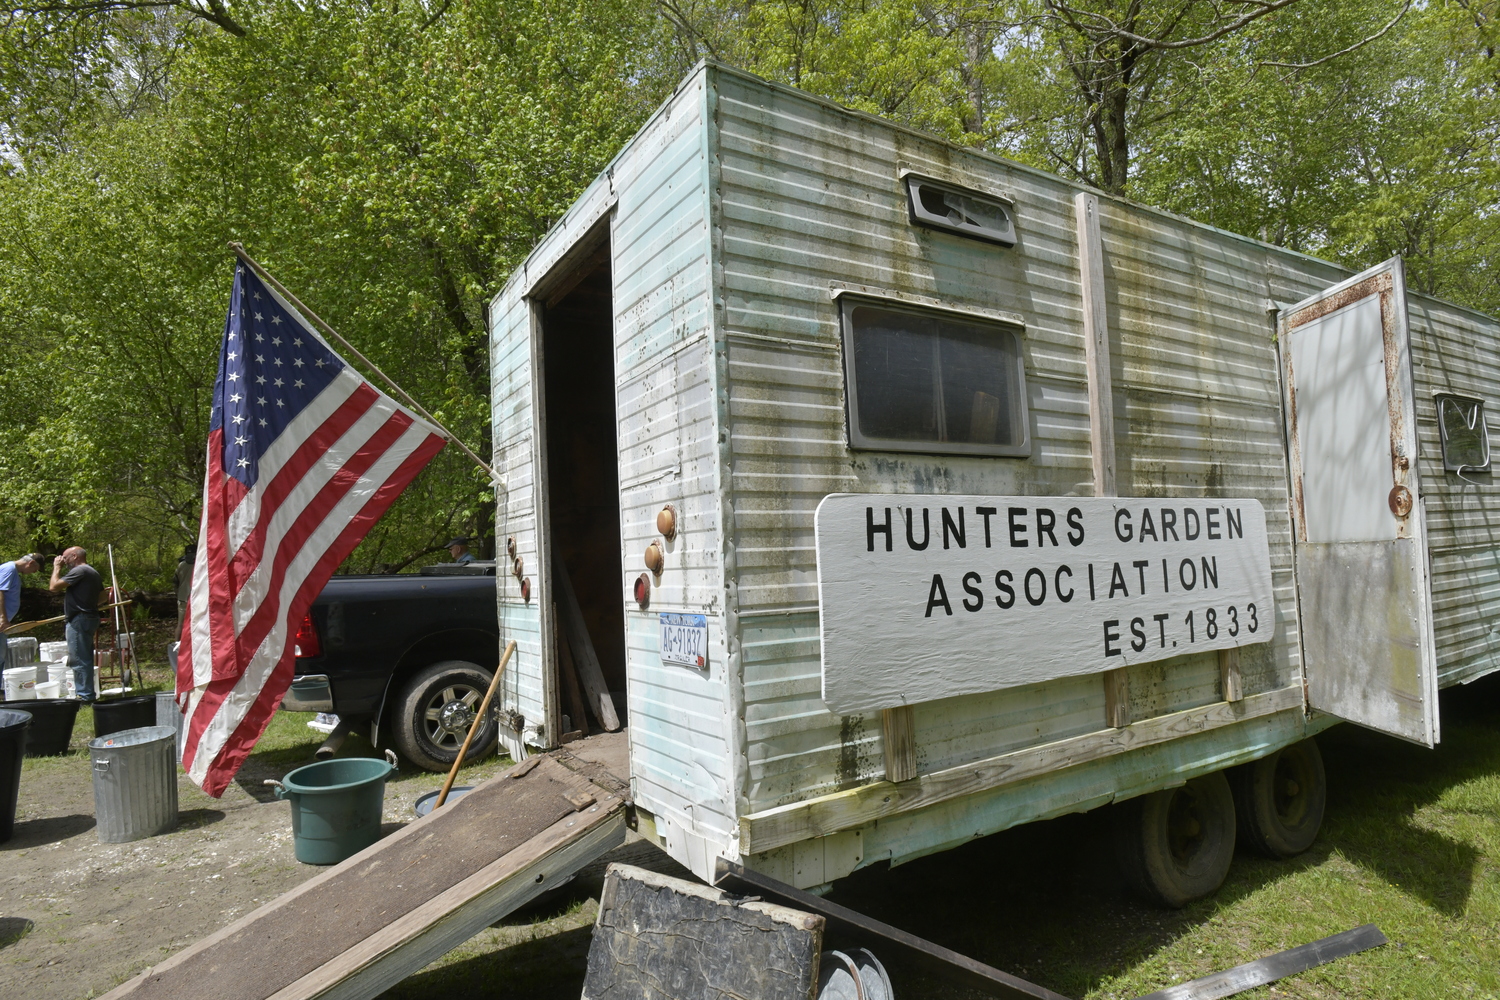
[435, 711]
[1174, 846]
[1280, 800]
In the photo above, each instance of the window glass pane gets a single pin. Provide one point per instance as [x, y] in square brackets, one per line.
[1465, 439]
[923, 377]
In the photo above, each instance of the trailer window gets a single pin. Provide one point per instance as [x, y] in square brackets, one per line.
[927, 381]
[1466, 438]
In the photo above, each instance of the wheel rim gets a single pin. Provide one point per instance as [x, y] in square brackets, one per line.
[1185, 826]
[449, 713]
[1290, 788]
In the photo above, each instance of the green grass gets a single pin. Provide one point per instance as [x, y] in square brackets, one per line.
[1411, 842]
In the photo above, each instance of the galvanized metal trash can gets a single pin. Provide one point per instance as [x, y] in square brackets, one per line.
[167, 714]
[135, 783]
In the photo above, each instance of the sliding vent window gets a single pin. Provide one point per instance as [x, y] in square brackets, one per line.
[933, 382]
[1466, 439]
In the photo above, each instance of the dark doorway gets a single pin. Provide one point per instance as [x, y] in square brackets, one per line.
[583, 478]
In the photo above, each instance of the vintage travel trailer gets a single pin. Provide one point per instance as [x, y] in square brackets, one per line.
[816, 419]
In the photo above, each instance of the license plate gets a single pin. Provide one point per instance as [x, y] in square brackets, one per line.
[684, 639]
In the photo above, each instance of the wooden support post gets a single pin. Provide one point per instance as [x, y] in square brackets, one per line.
[569, 676]
[898, 728]
[1229, 674]
[1101, 403]
[582, 648]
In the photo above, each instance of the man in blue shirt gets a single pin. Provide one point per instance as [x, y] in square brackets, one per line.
[458, 548]
[10, 595]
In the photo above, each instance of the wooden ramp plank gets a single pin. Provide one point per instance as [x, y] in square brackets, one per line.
[362, 925]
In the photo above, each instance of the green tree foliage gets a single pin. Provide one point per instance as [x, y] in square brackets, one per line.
[390, 165]
[393, 162]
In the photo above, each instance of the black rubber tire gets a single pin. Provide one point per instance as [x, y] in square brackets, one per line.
[1175, 846]
[430, 726]
[1280, 800]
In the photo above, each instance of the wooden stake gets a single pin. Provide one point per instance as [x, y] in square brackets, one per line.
[484, 706]
[899, 733]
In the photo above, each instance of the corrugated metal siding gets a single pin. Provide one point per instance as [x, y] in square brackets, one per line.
[1454, 350]
[811, 199]
[515, 512]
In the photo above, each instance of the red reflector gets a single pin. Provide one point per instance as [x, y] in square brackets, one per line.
[306, 641]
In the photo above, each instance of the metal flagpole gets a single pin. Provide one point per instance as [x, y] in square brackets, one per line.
[281, 290]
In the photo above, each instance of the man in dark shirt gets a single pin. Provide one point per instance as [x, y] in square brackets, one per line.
[80, 613]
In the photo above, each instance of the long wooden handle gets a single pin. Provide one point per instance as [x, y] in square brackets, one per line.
[510, 647]
[28, 626]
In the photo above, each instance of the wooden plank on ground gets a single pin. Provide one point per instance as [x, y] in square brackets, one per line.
[376, 912]
[582, 648]
[663, 938]
[1274, 967]
[854, 807]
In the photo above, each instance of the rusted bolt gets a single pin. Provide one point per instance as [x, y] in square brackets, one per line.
[518, 567]
[526, 590]
[510, 547]
[1399, 500]
[643, 590]
[654, 558]
[666, 522]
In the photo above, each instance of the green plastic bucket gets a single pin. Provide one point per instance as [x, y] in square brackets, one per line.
[336, 806]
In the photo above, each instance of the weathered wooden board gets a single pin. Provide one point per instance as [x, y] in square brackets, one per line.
[662, 938]
[365, 924]
[828, 814]
[923, 597]
[581, 647]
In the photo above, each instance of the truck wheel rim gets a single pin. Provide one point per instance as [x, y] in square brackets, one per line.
[449, 714]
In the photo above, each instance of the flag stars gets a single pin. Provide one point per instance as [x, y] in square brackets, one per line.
[261, 399]
[276, 320]
[232, 355]
[233, 376]
[298, 384]
[276, 361]
[260, 359]
[264, 422]
[275, 341]
[255, 296]
[297, 342]
[241, 441]
[297, 362]
[237, 418]
[319, 363]
[236, 398]
[278, 383]
[244, 463]
[259, 337]
[281, 402]
[259, 318]
[260, 380]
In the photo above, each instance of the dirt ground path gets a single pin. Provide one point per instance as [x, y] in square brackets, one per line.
[91, 915]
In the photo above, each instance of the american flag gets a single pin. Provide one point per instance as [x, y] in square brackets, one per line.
[304, 456]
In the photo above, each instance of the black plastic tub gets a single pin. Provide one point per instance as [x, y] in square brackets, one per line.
[51, 724]
[118, 714]
[13, 726]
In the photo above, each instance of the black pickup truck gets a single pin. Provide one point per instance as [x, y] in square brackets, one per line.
[409, 654]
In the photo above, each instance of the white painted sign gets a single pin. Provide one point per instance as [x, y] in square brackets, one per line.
[928, 597]
[684, 639]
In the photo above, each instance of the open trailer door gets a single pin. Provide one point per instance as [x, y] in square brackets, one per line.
[1361, 554]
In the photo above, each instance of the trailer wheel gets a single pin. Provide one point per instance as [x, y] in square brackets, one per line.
[1175, 845]
[435, 711]
[1280, 800]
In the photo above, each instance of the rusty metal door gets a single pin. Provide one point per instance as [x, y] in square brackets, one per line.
[1361, 554]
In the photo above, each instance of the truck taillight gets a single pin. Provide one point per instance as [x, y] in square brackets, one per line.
[306, 642]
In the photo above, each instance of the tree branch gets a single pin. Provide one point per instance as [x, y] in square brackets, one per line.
[1344, 52]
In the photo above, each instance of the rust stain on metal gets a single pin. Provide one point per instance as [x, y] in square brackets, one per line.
[1299, 521]
[1399, 501]
[1401, 493]
[1380, 283]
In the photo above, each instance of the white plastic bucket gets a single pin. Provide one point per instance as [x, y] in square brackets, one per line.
[62, 675]
[48, 689]
[20, 683]
[54, 652]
